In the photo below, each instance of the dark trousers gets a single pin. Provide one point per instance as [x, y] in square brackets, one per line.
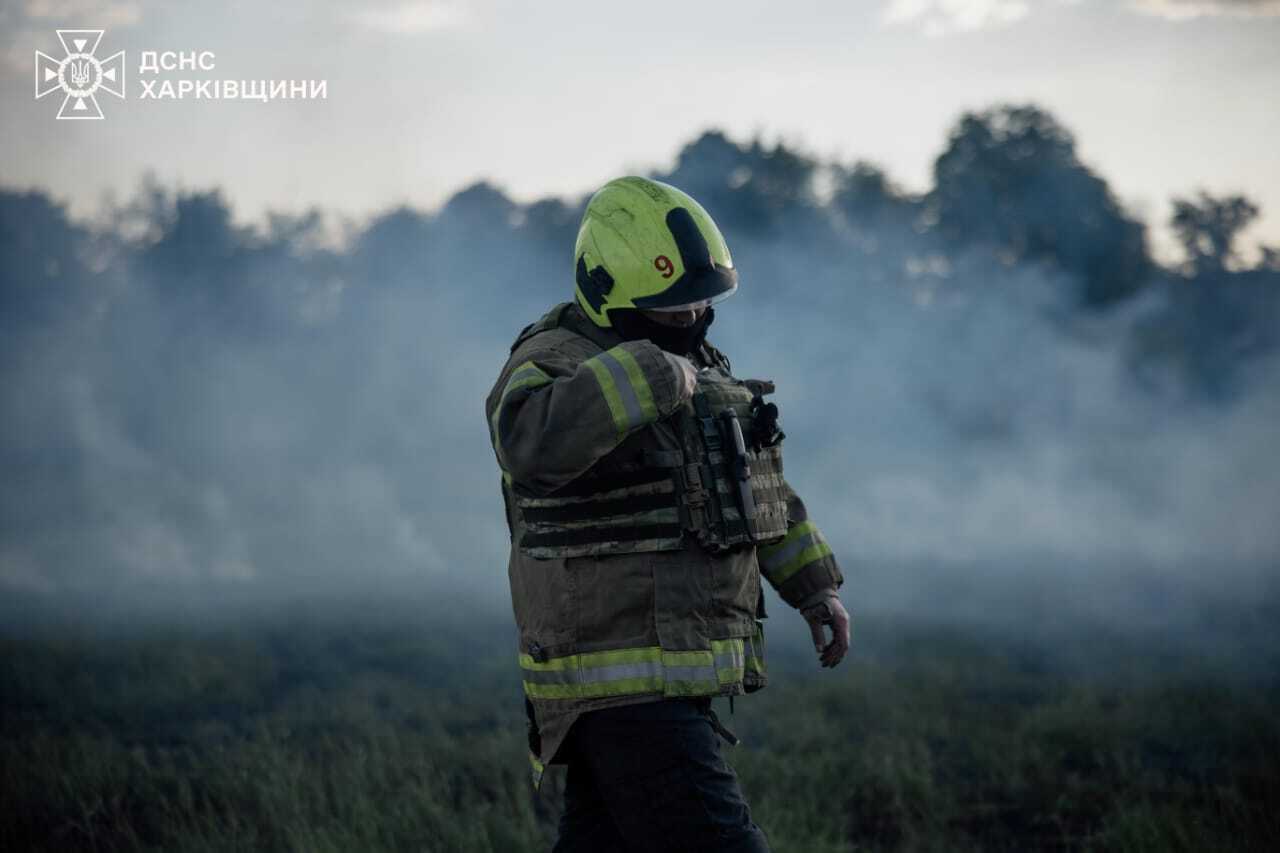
[649, 778]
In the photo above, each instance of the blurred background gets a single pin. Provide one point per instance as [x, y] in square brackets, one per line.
[1014, 266]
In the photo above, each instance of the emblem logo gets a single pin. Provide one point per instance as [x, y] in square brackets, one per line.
[80, 74]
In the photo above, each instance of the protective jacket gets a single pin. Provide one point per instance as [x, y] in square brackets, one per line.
[640, 523]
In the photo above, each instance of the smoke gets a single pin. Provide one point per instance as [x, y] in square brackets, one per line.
[193, 411]
[971, 444]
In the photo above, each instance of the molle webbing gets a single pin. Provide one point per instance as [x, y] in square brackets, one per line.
[634, 511]
[716, 511]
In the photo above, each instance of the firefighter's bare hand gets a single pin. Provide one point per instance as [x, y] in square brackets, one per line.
[686, 375]
[829, 612]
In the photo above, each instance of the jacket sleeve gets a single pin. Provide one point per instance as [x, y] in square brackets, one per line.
[800, 566]
[552, 416]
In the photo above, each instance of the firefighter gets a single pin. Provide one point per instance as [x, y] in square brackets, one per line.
[645, 498]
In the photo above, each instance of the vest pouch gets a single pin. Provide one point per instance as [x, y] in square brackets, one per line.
[747, 498]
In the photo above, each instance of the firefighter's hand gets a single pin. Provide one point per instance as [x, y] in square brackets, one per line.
[829, 612]
[686, 375]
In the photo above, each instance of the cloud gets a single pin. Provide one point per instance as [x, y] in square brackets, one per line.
[937, 18]
[1183, 10]
[113, 13]
[943, 17]
[29, 27]
[412, 17]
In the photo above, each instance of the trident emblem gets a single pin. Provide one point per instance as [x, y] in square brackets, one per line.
[79, 74]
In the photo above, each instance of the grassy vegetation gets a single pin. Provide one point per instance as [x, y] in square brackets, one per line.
[325, 734]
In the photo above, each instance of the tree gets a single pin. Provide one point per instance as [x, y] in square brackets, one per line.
[479, 207]
[754, 189]
[869, 199]
[42, 254]
[1208, 228]
[1010, 179]
[553, 223]
[1270, 258]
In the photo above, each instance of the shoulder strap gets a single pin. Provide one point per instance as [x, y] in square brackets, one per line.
[549, 321]
[569, 317]
[715, 357]
[572, 319]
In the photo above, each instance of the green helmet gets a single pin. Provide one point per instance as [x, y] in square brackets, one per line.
[645, 244]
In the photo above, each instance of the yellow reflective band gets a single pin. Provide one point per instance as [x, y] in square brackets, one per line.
[755, 652]
[695, 658]
[610, 391]
[804, 528]
[803, 544]
[812, 554]
[730, 660]
[594, 690]
[704, 687]
[527, 375]
[724, 647]
[622, 672]
[644, 394]
[591, 660]
[626, 391]
[536, 770]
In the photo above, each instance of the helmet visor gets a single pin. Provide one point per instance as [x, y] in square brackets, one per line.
[694, 306]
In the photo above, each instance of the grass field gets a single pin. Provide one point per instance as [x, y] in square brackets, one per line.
[315, 733]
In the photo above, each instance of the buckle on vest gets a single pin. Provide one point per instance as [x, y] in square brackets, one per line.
[695, 492]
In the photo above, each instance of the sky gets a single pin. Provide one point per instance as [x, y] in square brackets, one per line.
[553, 98]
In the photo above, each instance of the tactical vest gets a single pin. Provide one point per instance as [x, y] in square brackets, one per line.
[712, 471]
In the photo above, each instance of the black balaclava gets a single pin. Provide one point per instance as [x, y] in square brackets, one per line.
[680, 340]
